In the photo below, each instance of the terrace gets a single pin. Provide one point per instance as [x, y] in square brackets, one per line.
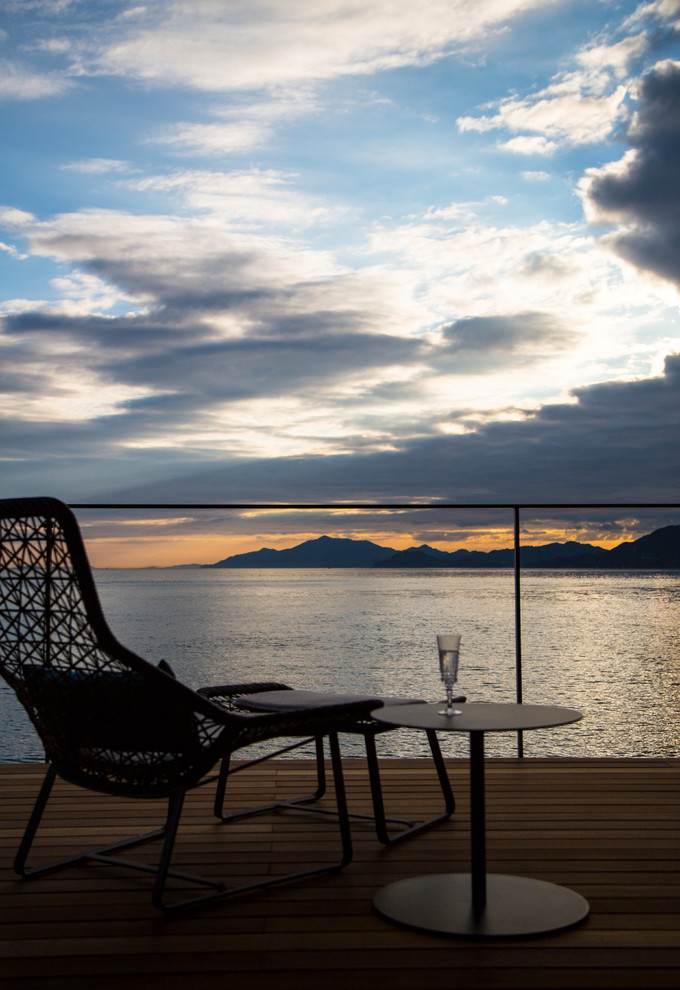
[609, 829]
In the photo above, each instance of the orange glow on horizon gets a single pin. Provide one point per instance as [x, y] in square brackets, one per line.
[128, 551]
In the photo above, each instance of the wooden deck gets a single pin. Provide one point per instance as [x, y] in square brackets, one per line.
[607, 828]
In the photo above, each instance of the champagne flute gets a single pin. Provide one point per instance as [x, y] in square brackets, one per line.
[449, 648]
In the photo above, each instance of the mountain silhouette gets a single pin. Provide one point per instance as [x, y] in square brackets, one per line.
[425, 556]
[659, 550]
[326, 551]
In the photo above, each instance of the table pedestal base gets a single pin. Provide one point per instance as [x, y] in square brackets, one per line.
[514, 905]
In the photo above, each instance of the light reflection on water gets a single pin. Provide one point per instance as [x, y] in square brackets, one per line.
[607, 643]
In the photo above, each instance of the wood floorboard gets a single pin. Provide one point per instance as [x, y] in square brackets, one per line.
[609, 829]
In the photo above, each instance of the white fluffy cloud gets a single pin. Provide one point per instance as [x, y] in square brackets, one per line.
[18, 82]
[264, 44]
[237, 128]
[572, 111]
[582, 104]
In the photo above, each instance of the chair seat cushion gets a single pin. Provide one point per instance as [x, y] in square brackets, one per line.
[281, 701]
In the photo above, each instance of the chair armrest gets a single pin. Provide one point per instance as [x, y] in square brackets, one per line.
[226, 695]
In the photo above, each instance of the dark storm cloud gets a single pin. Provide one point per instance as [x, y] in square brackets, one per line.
[505, 333]
[225, 325]
[314, 325]
[116, 333]
[194, 280]
[644, 193]
[280, 342]
[214, 283]
[617, 442]
[252, 368]
[17, 382]
[481, 341]
[175, 354]
[141, 352]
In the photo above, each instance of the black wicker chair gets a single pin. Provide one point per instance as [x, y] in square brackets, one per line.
[110, 721]
[276, 697]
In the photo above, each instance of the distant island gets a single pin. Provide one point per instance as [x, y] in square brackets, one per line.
[659, 550]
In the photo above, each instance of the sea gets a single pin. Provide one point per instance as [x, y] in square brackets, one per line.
[604, 642]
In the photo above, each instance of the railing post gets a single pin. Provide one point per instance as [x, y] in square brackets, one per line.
[518, 628]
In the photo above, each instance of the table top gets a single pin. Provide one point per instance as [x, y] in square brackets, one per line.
[477, 716]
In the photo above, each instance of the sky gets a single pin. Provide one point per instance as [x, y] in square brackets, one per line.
[339, 250]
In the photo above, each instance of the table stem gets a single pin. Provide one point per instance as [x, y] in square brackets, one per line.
[477, 822]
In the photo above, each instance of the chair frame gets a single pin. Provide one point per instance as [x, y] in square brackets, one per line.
[52, 625]
[227, 696]
[168, 833]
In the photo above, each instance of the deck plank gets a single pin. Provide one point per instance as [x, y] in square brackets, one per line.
[608, 828]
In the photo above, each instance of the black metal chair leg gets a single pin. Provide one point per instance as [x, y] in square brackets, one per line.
[221, 788]
[379, 817]
[32, 828]
[377, 795]
[378, 803]
[445, 783]
[225, 772]
[341, 800]
[320, 779]
[163, 871]
[320, 769]
[103, 853]
[231, 892]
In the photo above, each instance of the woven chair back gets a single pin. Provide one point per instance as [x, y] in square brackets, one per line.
[108, 720]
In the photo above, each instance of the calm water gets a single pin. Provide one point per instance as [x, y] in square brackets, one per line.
[605, 643]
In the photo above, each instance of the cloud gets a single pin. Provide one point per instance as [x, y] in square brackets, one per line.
[587, 102]
[231, 340]
[245, 197]
[204, 385]
[19, 83]
[615, 442]
[15, 219]
[264, 45]
[97, 166]
[216, 329]
[165, 258]
[12, 251]
[615, 55]
[665, 10]
[481, 269]
[534, 144]
[573, 110]
[280, 330]
[640, 193]
[523, 337]
[239, 127]
[221, 138]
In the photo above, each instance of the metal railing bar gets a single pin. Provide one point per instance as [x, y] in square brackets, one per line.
[374, 505]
